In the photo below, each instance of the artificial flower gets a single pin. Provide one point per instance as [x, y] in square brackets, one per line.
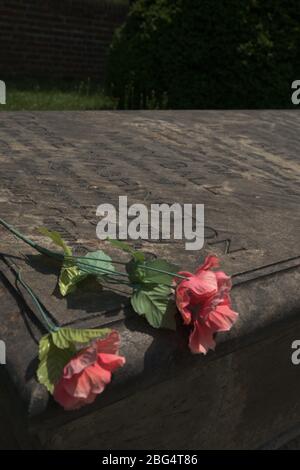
[86, 375]
[204, 303]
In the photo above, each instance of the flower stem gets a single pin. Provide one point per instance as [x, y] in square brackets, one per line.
[91, 268]
[51, 327]
[36, 246]
[141, 266]
[86, 258]
[77, 259]
[55, 254]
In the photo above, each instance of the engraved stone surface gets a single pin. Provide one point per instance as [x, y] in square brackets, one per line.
[56, 168]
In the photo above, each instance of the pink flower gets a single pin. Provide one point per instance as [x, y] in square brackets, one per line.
[204, 303]
[87, 374]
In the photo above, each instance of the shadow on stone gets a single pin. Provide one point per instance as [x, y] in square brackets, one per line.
[43, 264]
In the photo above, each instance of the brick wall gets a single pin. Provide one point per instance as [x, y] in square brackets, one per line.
[57, 38]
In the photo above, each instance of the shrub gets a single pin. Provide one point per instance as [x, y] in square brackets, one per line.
[206, 54]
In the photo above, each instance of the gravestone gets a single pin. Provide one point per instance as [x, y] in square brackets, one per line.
[56, 168]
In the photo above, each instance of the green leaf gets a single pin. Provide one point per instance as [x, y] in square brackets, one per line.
[139, 272]
[52, 362]
[56, 238]
[155, 277]
[154, 302]
[99, 260]
[65, 337]
[136, 276]
[76, 270]
[121, 245]
[137, 255]
[69, 277]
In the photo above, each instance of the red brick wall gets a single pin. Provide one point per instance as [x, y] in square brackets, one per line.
[57, 38]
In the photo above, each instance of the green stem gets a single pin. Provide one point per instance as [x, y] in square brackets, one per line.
[116, 281]
[88, 268]
[86, 258]
[61, 257]
[51, 327]
[55, 254]
[149, 268]
[29, 242]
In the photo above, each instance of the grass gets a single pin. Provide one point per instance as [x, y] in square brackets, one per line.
[42, 95]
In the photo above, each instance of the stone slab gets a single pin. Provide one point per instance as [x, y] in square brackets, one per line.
[56, 168]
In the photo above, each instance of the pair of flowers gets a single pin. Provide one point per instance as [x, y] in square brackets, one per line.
[204, 303]
[202, 298]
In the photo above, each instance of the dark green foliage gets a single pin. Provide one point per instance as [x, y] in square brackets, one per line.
[206, 54]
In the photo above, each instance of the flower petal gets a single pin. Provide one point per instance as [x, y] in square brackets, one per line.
[222, 318]
[110, 362]
[78, 363]
[95, 374]
[110, 344]
[80, 402]
[201, 339]
[103, 373]
[182, 302]
[224, 282]
[211, 261]
[78, 386]
[204, 284]
[68, 402]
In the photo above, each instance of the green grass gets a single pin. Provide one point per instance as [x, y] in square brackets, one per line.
[42, 95]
